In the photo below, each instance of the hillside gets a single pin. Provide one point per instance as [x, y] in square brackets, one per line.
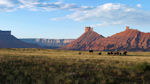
[130, 39]
[85, 41]
[9, 41]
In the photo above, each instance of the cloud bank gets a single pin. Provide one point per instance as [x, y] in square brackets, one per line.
[104, 15]
[112, 14]
[11, 5]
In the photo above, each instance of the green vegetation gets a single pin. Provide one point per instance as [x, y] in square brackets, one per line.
[45, 66]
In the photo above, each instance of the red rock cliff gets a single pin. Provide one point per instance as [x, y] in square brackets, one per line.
[130, 39]
[84, 42]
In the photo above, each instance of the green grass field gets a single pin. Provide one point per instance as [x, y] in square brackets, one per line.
[45, 66]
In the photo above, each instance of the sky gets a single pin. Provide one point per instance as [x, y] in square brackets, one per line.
[66, 19]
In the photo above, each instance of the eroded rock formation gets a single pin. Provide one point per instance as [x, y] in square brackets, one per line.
[85, 41]
[9, 41]
[48, 43]
[130, 39]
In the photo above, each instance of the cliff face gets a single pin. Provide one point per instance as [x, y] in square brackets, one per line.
[130, 39]
[9, 41]
[85, 41]
[49, 43]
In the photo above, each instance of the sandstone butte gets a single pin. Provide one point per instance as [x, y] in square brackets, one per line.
[130, 39]
[9, 41]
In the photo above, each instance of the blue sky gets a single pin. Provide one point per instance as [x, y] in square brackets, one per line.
[67, 18]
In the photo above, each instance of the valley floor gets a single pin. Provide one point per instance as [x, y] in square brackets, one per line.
[45, 66]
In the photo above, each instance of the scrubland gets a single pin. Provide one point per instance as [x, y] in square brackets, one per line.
[46, 66]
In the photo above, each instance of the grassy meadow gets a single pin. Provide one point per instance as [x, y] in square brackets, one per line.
[46, 66]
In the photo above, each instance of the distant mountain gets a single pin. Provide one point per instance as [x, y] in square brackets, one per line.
[85, 41]
[130, 39]
[48, 43]
[9, 41]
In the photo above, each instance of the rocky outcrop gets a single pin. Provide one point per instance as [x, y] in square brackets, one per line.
[85, 41]
[9, 41]
[48, 43]
[130, 39]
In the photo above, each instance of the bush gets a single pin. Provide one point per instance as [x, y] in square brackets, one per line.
[142, 67]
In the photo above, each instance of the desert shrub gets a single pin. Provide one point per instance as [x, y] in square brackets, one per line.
[142, 67]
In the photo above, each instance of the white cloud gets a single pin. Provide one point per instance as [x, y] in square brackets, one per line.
[139, 5]
[106, 14]
[6, 5]
[112, 14]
